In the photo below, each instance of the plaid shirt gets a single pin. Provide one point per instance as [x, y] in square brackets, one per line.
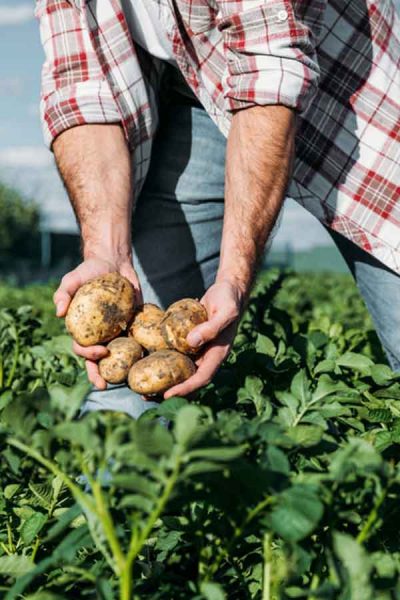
[337, 63]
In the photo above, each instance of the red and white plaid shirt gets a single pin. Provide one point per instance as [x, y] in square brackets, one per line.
[336, 62]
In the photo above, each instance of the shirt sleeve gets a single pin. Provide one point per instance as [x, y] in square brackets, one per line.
[74, 89]
[270, 51]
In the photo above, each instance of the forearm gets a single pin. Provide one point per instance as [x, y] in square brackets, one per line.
[259, 158]
[94, 163]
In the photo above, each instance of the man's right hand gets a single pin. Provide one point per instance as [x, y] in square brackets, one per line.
[71, 282]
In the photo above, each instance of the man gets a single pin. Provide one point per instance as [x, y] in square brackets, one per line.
[138, 96]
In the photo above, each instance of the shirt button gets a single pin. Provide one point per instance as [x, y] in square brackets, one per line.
[282, 15]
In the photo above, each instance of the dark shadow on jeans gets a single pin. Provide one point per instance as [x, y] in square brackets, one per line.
[162, 238]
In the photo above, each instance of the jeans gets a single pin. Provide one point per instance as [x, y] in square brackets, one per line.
[177, 235]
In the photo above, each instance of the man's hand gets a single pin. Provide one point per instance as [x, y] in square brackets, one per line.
[223, 302]
[70, 283]
[258, 165]
[95, 165]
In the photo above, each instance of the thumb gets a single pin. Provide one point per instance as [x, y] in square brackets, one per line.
[129, 272]
[209, 330]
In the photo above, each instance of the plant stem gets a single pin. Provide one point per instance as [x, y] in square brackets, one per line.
[10, 538]
[1, 373]
[82, 572]
[126, 583]
[313, 586]
[237, 534]
[372, 517]
[137, 542]
[35, 549]
[14, 362]
[267, 551]
[108, 526]
[76, 491]
[5, 548]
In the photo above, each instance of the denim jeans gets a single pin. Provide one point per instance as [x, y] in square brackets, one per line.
[177, 235]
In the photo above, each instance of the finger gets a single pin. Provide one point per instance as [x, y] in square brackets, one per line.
[94, 375]
[210, 364]
[130, 273]
[70, 283]
[61, 299]
[208, 331]
[92, 353]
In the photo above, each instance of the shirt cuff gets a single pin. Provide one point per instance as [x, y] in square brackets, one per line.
[277, 81]
[270, 55]
[88, 102]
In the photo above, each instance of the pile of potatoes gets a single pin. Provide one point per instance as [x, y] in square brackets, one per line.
[147, 346]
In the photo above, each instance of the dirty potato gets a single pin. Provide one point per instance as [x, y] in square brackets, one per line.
[124, 352]
[160, 371]
[145, 327]
[180, 318]
[100, 310]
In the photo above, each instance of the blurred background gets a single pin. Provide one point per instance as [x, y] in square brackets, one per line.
[38, 234]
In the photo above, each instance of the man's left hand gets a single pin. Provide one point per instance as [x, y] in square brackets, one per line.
[223, 302]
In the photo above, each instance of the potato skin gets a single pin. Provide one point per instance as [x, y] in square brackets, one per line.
[180, 318]
[159, 371]
[145, 327]
[124, 352]
[100, 310]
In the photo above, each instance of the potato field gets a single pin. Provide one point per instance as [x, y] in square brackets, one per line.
[280, 481]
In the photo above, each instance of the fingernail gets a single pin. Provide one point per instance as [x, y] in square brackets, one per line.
[195, 339]
[59, 308]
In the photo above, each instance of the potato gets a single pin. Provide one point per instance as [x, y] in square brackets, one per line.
[100, 310]
[124, 352]
[145, 327]
[160, 371]
[180, 318]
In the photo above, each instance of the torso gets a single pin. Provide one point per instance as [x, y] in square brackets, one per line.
[147, 29]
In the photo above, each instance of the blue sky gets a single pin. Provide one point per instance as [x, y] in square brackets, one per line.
[25, 162]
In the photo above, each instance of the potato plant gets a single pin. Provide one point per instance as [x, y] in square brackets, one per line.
[281, 481]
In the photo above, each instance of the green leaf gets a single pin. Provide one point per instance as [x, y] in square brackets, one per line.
[202, 466]
[380, 415]
[104, 589]
[32, 526]
[219, 453]
[305, 435]
[300, 387]
[44, 596]
[382, 374]
[357, 456]
[253, 391]
[76, 433]
[68, 400]
[212, 591]
[15, 565]
[264, 345]
[357, 565]
[358, 362]
[325, 366]
[169, 408]
[277, 460]
[186, 424]
[10, 490]
[297, 513]
[64, 521]
[136, 483]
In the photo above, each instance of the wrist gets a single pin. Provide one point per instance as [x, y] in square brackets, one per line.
[113, 245]
[116, 255]
[241, 285]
